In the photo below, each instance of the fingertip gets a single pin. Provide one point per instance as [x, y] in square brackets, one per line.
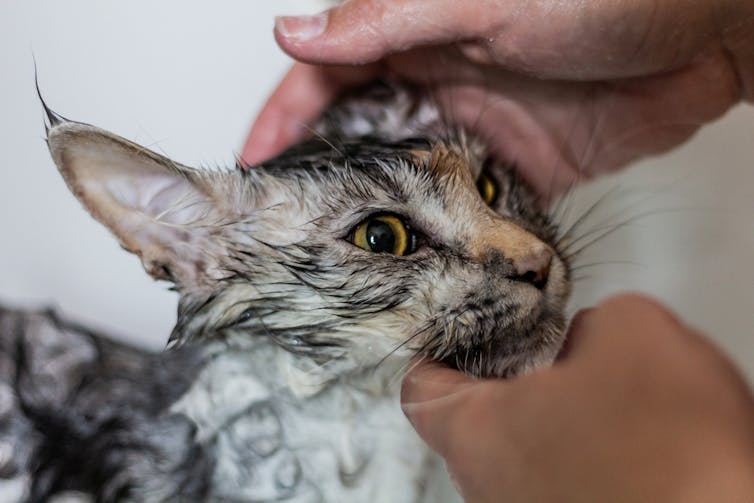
[621, 325]
[430, 381]
[574, 333]
[261, 141]
[335, 36]
[364, 31]
[632, 301]
[249, 157]
[301, 28]
[636, 311]
[296, 102]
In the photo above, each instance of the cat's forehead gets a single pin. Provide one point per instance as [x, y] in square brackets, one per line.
[451, 162]
[370, 156]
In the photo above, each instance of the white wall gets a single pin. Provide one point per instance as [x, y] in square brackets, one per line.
[691, 240]
[187, 79]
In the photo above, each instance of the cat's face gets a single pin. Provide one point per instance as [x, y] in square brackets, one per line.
[339, 253]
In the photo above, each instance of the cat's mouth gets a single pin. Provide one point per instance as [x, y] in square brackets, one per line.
[512, 352]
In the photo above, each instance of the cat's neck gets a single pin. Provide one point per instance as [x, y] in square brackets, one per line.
[305, 428]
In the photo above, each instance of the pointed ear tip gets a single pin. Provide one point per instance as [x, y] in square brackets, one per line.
[57, 132]
[64, 135]
[58, 135]
[66, 141]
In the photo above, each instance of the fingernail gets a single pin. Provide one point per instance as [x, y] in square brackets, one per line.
[301, 27]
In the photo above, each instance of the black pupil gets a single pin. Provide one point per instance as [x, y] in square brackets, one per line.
[380, 236]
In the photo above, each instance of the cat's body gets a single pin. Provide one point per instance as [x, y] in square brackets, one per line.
[193, 424]
[306, 286]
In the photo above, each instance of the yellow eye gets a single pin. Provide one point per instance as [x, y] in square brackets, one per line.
[487, 188]
[384, 234]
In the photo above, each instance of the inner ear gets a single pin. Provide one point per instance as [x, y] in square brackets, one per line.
[157, 209]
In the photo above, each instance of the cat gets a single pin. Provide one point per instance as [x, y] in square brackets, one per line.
[307, 285]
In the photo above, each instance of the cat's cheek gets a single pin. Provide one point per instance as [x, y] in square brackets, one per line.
[558, 287]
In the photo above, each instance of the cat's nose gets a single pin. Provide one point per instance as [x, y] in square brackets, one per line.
[534, 267]
[516, 252]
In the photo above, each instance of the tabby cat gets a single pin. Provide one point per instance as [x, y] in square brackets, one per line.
[307, 284]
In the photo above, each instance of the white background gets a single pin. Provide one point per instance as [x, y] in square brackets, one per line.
[187, 78]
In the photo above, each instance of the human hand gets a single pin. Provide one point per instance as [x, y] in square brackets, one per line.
[641, 408]
[562, 89]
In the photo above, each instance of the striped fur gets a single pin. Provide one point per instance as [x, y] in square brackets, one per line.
[281, 378]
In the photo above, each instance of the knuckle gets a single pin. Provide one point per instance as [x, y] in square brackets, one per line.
[631, 298]
[371, 11]
[373, 18]
[641, 306]
[640, 325]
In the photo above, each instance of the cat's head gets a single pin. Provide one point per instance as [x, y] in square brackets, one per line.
[338, 251]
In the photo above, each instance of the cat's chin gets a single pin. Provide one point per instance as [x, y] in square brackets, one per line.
[501, 363]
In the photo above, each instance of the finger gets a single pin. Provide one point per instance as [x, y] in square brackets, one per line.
[638, 323]
[363, 31]
[525, 36]
[302, 95]
[624, 325]
[297, 101]
[575, 330]
[430, 381]
[436, 400]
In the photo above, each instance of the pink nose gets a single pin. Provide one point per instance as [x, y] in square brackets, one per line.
[534, 268]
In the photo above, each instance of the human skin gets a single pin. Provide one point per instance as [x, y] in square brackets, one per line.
[641, 408]
[564, 90]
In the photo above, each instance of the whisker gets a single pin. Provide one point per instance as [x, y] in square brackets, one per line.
[605, 262]
[407, 368]
[321, 137]
[402, 344]
[586, 214]
[611, 228]
[582, 277]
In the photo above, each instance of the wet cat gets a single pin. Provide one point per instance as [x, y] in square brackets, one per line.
[306, 286]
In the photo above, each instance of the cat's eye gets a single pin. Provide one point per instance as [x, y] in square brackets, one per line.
[487, 188]
[245, 316]
[384, 234]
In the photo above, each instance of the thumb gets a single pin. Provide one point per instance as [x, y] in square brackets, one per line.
[363, 31]
[623, 328]
[432, 397]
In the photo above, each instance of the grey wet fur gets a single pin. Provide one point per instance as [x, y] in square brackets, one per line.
[280, 382]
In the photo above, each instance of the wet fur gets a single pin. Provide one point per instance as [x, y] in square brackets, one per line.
[280, 382]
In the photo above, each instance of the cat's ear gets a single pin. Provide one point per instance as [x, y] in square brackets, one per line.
[158, 209]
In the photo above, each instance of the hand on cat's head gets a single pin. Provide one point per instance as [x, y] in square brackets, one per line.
[564, 90]
[641, 408]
